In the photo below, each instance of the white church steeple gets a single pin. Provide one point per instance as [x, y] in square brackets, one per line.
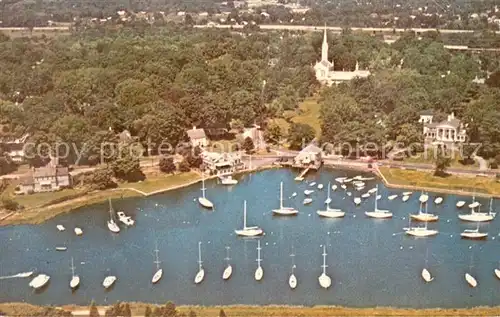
[324, 47]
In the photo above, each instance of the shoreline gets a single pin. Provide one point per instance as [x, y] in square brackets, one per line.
[236, 310]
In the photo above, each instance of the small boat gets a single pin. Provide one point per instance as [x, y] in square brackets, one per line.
[78, 231]
[60, 227]
[201, 272]
[365, 195]
[312, 184]
[424, 216]
[329, 212]
[378, 213]
[340, 179]
[420, 231]
[328, 200]
[407, 193]
[228, 271]
[324, 280]
[112, 225]
[343, 186]
[294, 194]
[405, 198]
[75, 279]
[320, 186]
[349, 194]
[423, 198]
[284, 211]
[347, 180]
[460, 204]
[392, 197]
[109, 281]
[248, 231]
[358, 183]
[373, 190]
[426, 275]
[203, 200]
[259, 272]
[308, 192]
[125, 219]
[228, 180]
[474, 234]
[479, 216]
[497, 273]
[378, 197]
[438, 200]
[360, 188]
[334, 187]
[471, 280]
[39, 281]
[474, 204]
[357, 200]
[61, 248]
[292, 280]
[366, 178]
[159, 272]
[307, 201]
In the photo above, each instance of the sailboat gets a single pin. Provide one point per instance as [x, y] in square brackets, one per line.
[469, 278]
[378, 213]
[248, 231]
[479, 216]
[228, 271]
[109, 281]
[112, 226]
[420, 231]
[423, 198]
[474, 234]
[75, 279]
[292, 280]
[424, 216]
[497, 273]
[426, 275]
[324, 280]
[39, 281]
[159, 272]
[330, 212]
[259, 272]
[284, 211]
[203, 200]
[201, 272]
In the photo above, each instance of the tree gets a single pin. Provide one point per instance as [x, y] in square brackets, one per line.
[126, 312]
[442, 162]
[148, 312]
[248, 145]
[300, 135]
[101, 179]
[184, 166]
[273, 133]
[193, 160]
[127, 166]
[192, 314]
[222, 313]
[93, 310]
[10, 204]
[167, 165]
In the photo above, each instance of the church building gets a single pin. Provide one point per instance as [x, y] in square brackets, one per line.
[325, 72]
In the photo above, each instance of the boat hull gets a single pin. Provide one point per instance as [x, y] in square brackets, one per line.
[497, 273]
[476, 217]
[113, 227]
[331, 213]
[109, 281]
[75, 282]
[292, 281]
[425, 217]
[474, 235]
[39, 281]
[471, 280]
[460, 204]
[205, 203]
[285, 212]
[199, 276]
[378, 215]
[324, 281]
[426, 275]
[421, 233]
[259, 274]
[78, 231]
[249, 232]
[157, 276]
[227, 272]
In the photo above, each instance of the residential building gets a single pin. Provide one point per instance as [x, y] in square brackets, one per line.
[15, 148]
[45, 179]
[446, 132]
[325, 72]
[197, 137]
[426, 116]
[310, 156]
[222, 163]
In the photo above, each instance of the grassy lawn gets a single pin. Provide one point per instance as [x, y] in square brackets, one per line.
[424, 179]
[42, 199]
[154, 183]
[309, 114]
[428, 158]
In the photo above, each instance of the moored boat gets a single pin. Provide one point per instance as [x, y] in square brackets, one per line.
[109, 281]
[39, 281]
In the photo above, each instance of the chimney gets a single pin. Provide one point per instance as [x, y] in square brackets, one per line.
[194, 127]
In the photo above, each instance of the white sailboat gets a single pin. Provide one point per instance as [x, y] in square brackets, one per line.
[292, 280]
[78, 231]
[112, 226]
[324, 280]
[426, 275]
[328, 199]
[330, 212]
[497, 273]
[420, 231]
[248, 231]
[468, 277]
[228, 271]
[259, 272]
[308, 192]
[203, 200]
[460, 204]
[201, 272]
[109, 281]
[39, 281]
[392, 197]
[479, 216]
[474, 234]
[407, 193]
[284, 211]
[312, 184]
[75, 279]
[159, 272]
[379, 213]
[438, 200]
[424, 216]
[423, 198]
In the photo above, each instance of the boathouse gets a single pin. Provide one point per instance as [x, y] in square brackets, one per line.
[310, 156]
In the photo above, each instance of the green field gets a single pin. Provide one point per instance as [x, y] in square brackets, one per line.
[309, 113]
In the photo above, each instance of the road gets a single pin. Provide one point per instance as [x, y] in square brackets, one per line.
[309, 28]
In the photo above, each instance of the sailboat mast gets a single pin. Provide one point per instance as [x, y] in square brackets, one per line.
[72, 268]
[293, 259]
[244, 215]
[376, 194]
[157, 262]
[199, 255]
[281, 195]
[324, 260]
[258, 253]
[227, 254]
[203, 184]
[491, 206]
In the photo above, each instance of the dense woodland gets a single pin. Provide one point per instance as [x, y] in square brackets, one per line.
[157, 82]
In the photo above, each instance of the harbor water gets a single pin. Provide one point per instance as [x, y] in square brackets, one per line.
[371, 262]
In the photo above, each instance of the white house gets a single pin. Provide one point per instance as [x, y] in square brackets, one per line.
[325, 72]
[197, 137]
[222, 163]
[446, 132]
[426, 116]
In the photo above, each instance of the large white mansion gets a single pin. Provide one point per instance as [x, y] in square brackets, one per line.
[445, 132]
[325, 73]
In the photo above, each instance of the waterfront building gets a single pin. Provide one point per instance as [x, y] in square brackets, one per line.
[222, 163]
[310, 156]
[197, 137]
[44, 179]
[325, 72]
[443, 133]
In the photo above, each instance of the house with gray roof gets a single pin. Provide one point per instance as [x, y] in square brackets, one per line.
[44, 179]
[197, 137]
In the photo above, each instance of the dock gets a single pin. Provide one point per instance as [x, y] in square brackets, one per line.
[300, 178]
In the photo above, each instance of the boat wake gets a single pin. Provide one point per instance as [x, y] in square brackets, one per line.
[24, 274]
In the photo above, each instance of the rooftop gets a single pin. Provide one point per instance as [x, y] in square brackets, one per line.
[196, 134]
